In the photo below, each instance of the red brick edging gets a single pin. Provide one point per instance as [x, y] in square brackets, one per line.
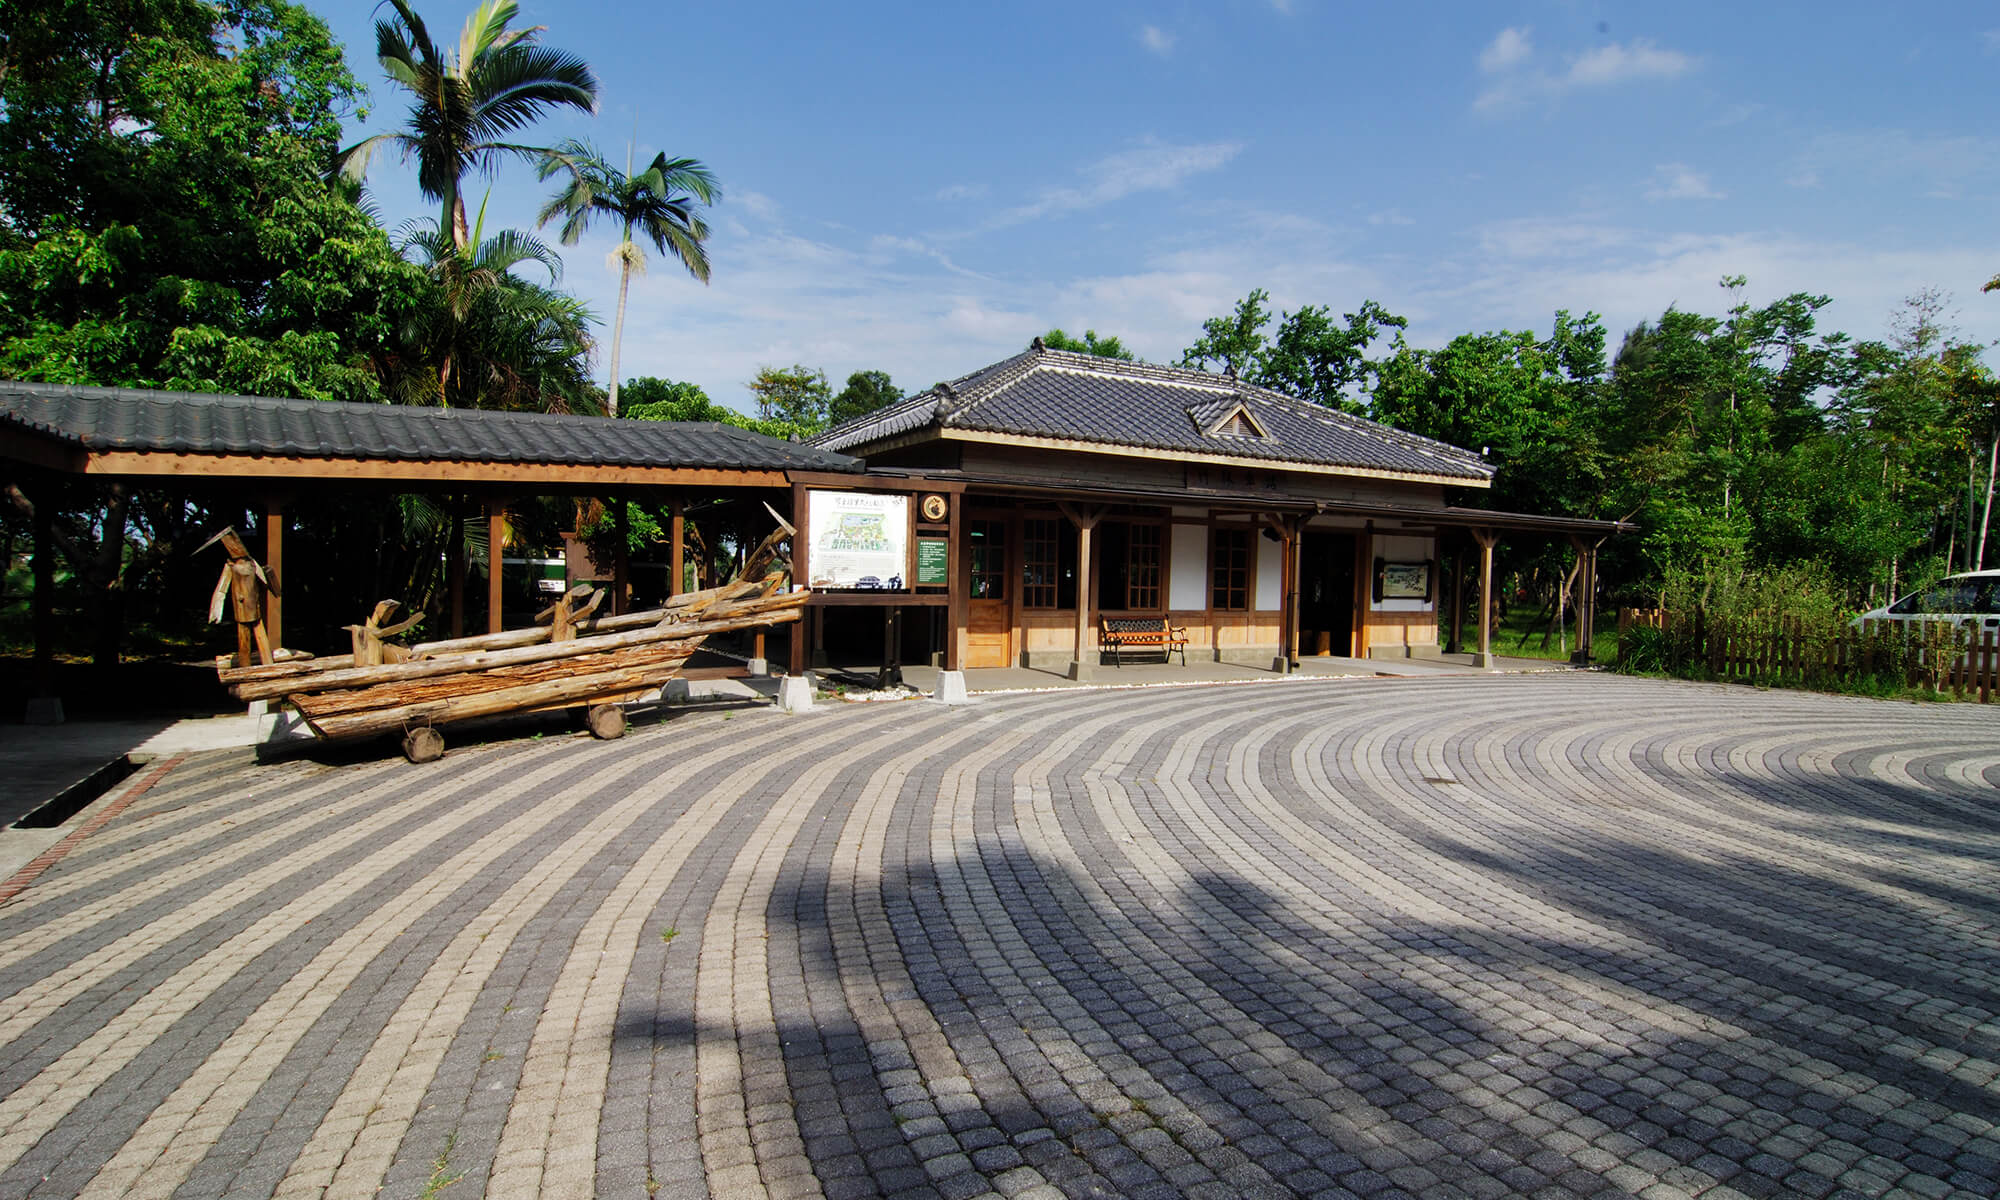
[19, 881]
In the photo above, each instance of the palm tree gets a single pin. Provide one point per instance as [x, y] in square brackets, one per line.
[659, 201]
[468, 98]
[487, 338]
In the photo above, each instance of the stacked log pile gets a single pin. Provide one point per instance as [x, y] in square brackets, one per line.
[576, 658]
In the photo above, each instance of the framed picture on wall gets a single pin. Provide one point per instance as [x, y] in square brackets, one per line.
[1402, 580]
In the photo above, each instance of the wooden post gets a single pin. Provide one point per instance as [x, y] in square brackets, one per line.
[621, 575]
[801, 571]
[274, 565]
[1085, 520]
[958, 605]
[496, 537]
[1486, 538]
[49, 709]
[1457, 600]
[677, 549]
[1295, 562]
[1586, 597]
[454, 568]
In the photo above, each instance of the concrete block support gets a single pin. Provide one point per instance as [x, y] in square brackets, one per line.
[950, 687]
[795, 694]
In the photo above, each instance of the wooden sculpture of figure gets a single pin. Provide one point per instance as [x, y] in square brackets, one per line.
[242, 584]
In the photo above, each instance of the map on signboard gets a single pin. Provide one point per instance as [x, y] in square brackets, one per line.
[858, 540]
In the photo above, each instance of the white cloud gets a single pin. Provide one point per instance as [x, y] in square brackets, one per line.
[757, 205]
[1507, 50]
[1152, 166]
[1516, 74]
[1934, 165]
[1157, 40]
[1678, 181]
[961, 191]
[1615, 64]
[1991, 39]
[1390, 216]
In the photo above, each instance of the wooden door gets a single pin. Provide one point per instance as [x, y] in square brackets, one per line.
[989, 616]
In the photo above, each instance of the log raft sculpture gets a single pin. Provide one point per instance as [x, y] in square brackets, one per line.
[572, 658]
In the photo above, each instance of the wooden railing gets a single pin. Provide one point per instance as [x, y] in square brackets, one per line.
[1935, 655]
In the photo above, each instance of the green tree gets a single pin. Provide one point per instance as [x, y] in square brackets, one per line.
[467, 101]
[797, 395]
[1316, 359]
[163, 223]
[491, 338]
[1236, 342]
[1090, 343]
[649, 399]
[865, 392]
[661, 202]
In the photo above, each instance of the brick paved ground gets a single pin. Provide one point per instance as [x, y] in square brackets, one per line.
[1479, 936]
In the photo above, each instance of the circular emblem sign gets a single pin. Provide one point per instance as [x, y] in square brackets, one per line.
[934, 507]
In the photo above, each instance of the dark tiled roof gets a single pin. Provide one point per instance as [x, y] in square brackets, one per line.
[1079, 397]
[190, 422]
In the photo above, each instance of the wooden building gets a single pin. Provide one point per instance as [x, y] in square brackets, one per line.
[1095, 490]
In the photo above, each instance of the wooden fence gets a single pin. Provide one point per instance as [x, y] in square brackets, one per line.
[1937, 655]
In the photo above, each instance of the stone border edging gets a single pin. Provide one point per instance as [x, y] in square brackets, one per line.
[19, 881]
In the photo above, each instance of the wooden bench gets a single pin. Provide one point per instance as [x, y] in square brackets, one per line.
[1116, 633]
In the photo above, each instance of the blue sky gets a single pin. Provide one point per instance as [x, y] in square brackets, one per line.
[923, 188]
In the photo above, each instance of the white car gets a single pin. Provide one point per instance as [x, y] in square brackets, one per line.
[1970, 599]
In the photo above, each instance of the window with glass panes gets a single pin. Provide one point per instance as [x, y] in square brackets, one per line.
[1128, 566]
[1048, 563]
[989, 559]
[1229, 575]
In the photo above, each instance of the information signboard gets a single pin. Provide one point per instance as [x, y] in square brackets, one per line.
[858, 540]
[933, 561]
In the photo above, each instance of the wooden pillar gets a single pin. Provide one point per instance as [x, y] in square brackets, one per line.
[1295, 548]
[621, 574]
[801, 570]
[1085, 520]
[1457, 600]
[274, 567]
[1485, 538]
[454, 568]
[496, 537]
[677, 549]
[1364, 588]
[958, 606]
[43, 601]
[1586, 597]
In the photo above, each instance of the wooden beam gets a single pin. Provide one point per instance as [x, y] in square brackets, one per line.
[958, 565]
[621, 580]
[43, 602]
[1486, 538]
[801, 573]
[524, 476]
[274, 567]
[496, 536]
[454, 567]
[677, 548]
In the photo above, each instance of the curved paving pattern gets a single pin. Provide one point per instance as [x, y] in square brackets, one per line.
[1475, 936]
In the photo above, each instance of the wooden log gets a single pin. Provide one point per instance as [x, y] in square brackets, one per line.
[669, 655]
[605, 721]
[773, 610]
[569, 690]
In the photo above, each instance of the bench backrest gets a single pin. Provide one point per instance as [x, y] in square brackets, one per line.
[1134, 624]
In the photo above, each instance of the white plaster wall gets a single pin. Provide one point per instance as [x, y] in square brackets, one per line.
[1402, 548]
[1187, 586]
[1270, 573]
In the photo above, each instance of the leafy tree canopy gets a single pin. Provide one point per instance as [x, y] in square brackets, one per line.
[797, 395]
[162, 222]
[1313, 357]
[1090, 343]
[865, 392]
[650, 399]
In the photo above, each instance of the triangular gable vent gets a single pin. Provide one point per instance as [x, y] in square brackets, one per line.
[1230, 419]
